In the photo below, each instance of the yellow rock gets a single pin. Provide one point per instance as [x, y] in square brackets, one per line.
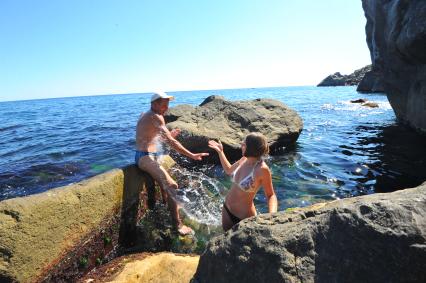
[161, 267]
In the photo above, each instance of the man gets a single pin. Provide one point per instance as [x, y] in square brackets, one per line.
[151, 130]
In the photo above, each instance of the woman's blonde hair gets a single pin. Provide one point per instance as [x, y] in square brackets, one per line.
[256, 145]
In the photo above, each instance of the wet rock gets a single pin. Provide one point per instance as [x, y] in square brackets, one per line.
[361, 100]
[370, 104]
[396, 37]
[146, 267]
[230, 121]
[374, 238]
[366, 103]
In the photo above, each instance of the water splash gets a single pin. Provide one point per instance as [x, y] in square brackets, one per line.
[199, 196]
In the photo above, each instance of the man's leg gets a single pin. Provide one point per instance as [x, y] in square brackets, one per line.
[151, 166]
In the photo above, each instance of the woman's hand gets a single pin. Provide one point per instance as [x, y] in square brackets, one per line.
[216, 146]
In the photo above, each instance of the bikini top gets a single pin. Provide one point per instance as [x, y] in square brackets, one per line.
[247, 183]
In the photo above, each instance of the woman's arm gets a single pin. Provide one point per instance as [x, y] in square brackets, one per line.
[227, 167]
[269, 190]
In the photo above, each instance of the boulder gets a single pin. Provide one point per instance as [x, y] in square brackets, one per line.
[338, 79]
[396, 37]
[373, 238]
[146, 267]
[230, 121]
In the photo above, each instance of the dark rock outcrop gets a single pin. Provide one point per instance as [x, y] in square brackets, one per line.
[371, 82]
[396, 37]
[338, 79]
[374, 238]
[230, 121]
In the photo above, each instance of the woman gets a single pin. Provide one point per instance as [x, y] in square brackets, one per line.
[248, 175]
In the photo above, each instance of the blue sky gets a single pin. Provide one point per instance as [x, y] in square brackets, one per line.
[89, 47]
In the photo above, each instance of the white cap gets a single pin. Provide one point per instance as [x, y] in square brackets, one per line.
[161, 94]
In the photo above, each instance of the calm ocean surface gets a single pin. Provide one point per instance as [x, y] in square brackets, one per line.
[344, 150]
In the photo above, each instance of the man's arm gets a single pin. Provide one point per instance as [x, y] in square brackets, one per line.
[167, 136]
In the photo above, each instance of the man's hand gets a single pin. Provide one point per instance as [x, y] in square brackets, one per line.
[175, 132]
[199, 156]
[216, 146]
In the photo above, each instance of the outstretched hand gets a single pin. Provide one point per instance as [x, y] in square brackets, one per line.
[199, 156]
[216, 145]
[175, 132]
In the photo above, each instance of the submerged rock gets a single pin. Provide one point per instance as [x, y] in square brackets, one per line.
[366, 103]
[396, 37]
[370, 104]
[230, 121]
[374, 238]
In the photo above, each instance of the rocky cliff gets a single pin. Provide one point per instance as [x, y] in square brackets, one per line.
[396, 37]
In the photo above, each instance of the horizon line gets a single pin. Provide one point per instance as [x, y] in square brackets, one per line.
[149, 92]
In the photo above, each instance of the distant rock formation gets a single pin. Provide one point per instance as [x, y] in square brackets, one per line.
[396, 37]
[374, 238]
[230, 121]
[338, 79]
[367, 79]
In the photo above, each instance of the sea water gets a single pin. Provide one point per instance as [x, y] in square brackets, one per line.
[344, 150]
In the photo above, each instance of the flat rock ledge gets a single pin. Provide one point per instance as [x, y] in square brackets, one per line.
[61, 234]
[230, 121]
[146, 267]
[374, 238]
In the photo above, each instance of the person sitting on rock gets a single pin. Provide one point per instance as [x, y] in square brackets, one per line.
[248, 175]
[150, 130]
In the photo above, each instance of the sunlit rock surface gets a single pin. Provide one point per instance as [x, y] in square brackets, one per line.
[146, 267]
[59, 234]
[374, 238]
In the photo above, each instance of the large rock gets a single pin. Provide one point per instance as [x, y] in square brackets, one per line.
[338, 79]
[374, 238]
[230, 121]
[396, 37]
[146, 267]
[59, 234]
[371, 82]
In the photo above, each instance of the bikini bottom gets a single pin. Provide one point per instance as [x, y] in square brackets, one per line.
[234, 218]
